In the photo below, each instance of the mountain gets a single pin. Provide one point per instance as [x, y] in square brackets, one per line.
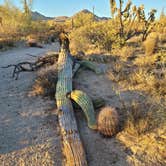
[61, 18]
[85, 11]
[38, 16]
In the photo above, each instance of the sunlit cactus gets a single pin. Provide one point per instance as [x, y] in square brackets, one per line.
[108, 121]
[84, 101]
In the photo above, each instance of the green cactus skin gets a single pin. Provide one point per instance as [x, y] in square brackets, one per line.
[84, 101]
[72, 145]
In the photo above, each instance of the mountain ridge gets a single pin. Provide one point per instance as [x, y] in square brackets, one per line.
[38, 16]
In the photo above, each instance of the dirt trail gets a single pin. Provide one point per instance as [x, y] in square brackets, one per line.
[28, 126]
[28, 133]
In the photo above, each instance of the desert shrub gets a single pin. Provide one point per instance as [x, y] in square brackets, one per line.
[147, 61]
[80, 19]
[79, 40]
[137, 120]
[150, 44]
[16, 25]
[7, 42]
[45, 83]
[99, 35]
[161, 25]
[12, 17]
[125, 52]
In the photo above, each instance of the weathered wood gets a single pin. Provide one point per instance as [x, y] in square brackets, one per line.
[72, 146]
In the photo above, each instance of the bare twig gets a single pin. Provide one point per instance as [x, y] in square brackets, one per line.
[32, 66]
[31, 55]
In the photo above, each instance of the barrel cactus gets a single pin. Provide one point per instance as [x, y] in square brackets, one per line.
[108, 121]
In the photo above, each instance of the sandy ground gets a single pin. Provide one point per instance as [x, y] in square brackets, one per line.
[101, 151]
[28, 125]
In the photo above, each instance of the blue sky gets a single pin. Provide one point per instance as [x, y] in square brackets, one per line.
[69, 7]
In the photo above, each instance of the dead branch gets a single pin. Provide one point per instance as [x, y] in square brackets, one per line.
[32, 66]
[31, 55]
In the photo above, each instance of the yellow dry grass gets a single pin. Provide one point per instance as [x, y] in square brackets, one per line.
[143, 131]
[45, 83]
[150, 44]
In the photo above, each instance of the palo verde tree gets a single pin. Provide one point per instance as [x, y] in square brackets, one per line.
[130, 15]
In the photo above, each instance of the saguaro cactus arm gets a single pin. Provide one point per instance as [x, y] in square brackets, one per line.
[84, 101]
[92, 66]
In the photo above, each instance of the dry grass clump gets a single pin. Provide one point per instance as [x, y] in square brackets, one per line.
[108, 121]
[141, 76]
[135, 40]
[150, 44]
[151, 83]
[145, 61]
[162, 38]
[148, 149]
[144, 133]
[146, 74]
[125, 52]
[144, 119]
[6, 42]
[120, 71]
[138, 118]
[45, 83]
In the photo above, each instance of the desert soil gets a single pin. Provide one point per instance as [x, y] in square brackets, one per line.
[29, 133]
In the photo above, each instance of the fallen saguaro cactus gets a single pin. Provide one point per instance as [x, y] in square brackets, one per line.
[72, 146]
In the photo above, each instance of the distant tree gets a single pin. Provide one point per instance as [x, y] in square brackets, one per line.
[113, 7]
[27, 5]
[120, 12]
[162, 15]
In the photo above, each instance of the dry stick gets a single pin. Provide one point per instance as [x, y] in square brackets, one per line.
[20, 67]
[31, 55]
[32, 66]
